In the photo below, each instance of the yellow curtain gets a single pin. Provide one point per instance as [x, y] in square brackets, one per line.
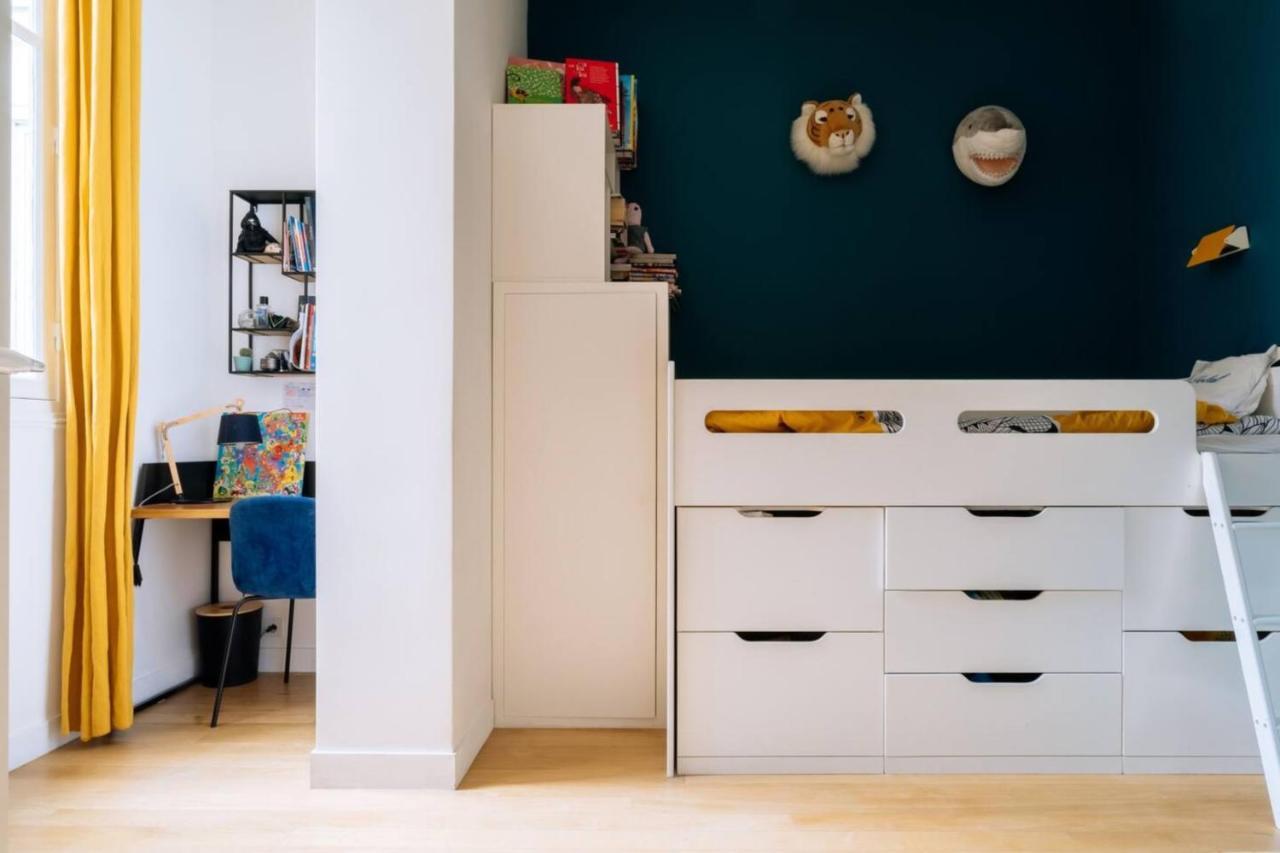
[99, 47]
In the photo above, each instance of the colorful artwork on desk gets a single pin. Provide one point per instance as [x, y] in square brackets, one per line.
[274, 467]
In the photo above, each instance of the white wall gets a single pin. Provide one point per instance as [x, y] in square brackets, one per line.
[221, 109]
[5, 723]
[384, 158]
[486, 33]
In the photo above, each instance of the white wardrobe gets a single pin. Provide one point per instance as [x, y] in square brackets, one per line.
[580, 410]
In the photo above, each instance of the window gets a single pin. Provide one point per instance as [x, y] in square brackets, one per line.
[30, 315]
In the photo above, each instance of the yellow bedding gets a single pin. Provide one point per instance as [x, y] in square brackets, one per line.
[793, 421]
[864, 421]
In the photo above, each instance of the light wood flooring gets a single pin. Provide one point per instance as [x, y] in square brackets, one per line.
[172, 784]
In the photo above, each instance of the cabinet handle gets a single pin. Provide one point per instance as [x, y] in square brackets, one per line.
[1002, 677]
[1004, 512]
[1236, 512]
[780, 636]
[1216, 636]
[779, 513]
[1003, 594]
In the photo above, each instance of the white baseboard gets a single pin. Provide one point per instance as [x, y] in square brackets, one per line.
[717, 765]
[442, 770]
[1101, 764]
[157, 681]
[271, 659]
[472, 740]
[340, 769]
[31, 742]
[1192, 764]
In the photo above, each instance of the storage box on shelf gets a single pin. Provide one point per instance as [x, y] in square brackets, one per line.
[242, 289]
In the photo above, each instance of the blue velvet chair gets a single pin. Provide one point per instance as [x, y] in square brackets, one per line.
[273, 555]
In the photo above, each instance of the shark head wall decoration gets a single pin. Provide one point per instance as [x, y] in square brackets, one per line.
[989, 145]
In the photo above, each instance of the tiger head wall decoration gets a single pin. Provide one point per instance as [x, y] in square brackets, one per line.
[832, 137]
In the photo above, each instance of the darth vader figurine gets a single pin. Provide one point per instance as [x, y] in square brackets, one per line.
[254, 238]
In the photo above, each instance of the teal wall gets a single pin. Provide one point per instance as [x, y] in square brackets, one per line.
[906, 269]
[1212, 82]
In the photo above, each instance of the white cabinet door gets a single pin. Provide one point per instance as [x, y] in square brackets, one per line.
[551, 165]
[576, 461]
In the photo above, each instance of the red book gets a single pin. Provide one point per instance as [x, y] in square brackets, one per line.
[588, 81]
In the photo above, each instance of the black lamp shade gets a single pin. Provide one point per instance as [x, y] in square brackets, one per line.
[235, 428]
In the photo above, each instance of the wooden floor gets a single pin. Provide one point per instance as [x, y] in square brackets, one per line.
[173, 784]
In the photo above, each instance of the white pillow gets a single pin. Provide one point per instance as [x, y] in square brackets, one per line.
[1236, 384]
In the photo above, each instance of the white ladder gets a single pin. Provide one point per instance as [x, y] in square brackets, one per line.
[1245, 623]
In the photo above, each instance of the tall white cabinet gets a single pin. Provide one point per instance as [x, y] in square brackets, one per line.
[579, 438]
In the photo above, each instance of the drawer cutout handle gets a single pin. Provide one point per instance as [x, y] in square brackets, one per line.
[1004, 511]
[1216, 636]
[1003, 594]
[779, 513]
[1002, 677]
[1236, 512]
[780, 636]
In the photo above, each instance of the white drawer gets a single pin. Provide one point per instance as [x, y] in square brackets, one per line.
[1055, 715]
[740, 698]
[956, 548]
[1172, 579]
[1185, 698]
[742, 570]
[953, 632]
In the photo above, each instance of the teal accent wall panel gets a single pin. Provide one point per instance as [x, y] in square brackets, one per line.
[903, 268]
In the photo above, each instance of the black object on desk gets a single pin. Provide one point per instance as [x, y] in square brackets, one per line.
[154, 489]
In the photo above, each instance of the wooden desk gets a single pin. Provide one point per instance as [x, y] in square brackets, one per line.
[155, 504]
[217, 514]
[184, 512]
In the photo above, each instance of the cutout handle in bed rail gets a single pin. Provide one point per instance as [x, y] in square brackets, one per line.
[793, 421]
[780, 636]
[765, 512]
[1050, 422]
[1236, 512]
[1003, 594]
[1002, 677]
[1004, 511]
[1216, 636]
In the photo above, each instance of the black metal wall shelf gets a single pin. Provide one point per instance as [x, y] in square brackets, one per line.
[238, 203]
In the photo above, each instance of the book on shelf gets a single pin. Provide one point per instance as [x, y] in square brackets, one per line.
[591, 81]
[296, 254]
[617, 213]
[303, 352]
[629, 119]
[534, 81]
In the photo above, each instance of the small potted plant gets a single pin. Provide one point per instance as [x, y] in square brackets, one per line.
[244, 360]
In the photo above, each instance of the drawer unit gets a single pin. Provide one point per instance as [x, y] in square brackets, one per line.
[739, 697]
[1172, 578]
[1054, 715]
[957, 548]
[950, 632]
[1187, 698]
[773, 570]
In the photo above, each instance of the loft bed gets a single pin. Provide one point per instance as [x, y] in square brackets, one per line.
[931, 461]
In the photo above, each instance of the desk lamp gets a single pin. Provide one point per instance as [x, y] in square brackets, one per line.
[236, 428]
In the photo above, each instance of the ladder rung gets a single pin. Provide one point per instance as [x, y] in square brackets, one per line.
[1256, 525]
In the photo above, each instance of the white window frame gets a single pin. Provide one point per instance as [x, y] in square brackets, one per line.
[44, 386]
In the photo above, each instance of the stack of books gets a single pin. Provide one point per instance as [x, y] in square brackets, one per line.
[656, 266]
[299, 242]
